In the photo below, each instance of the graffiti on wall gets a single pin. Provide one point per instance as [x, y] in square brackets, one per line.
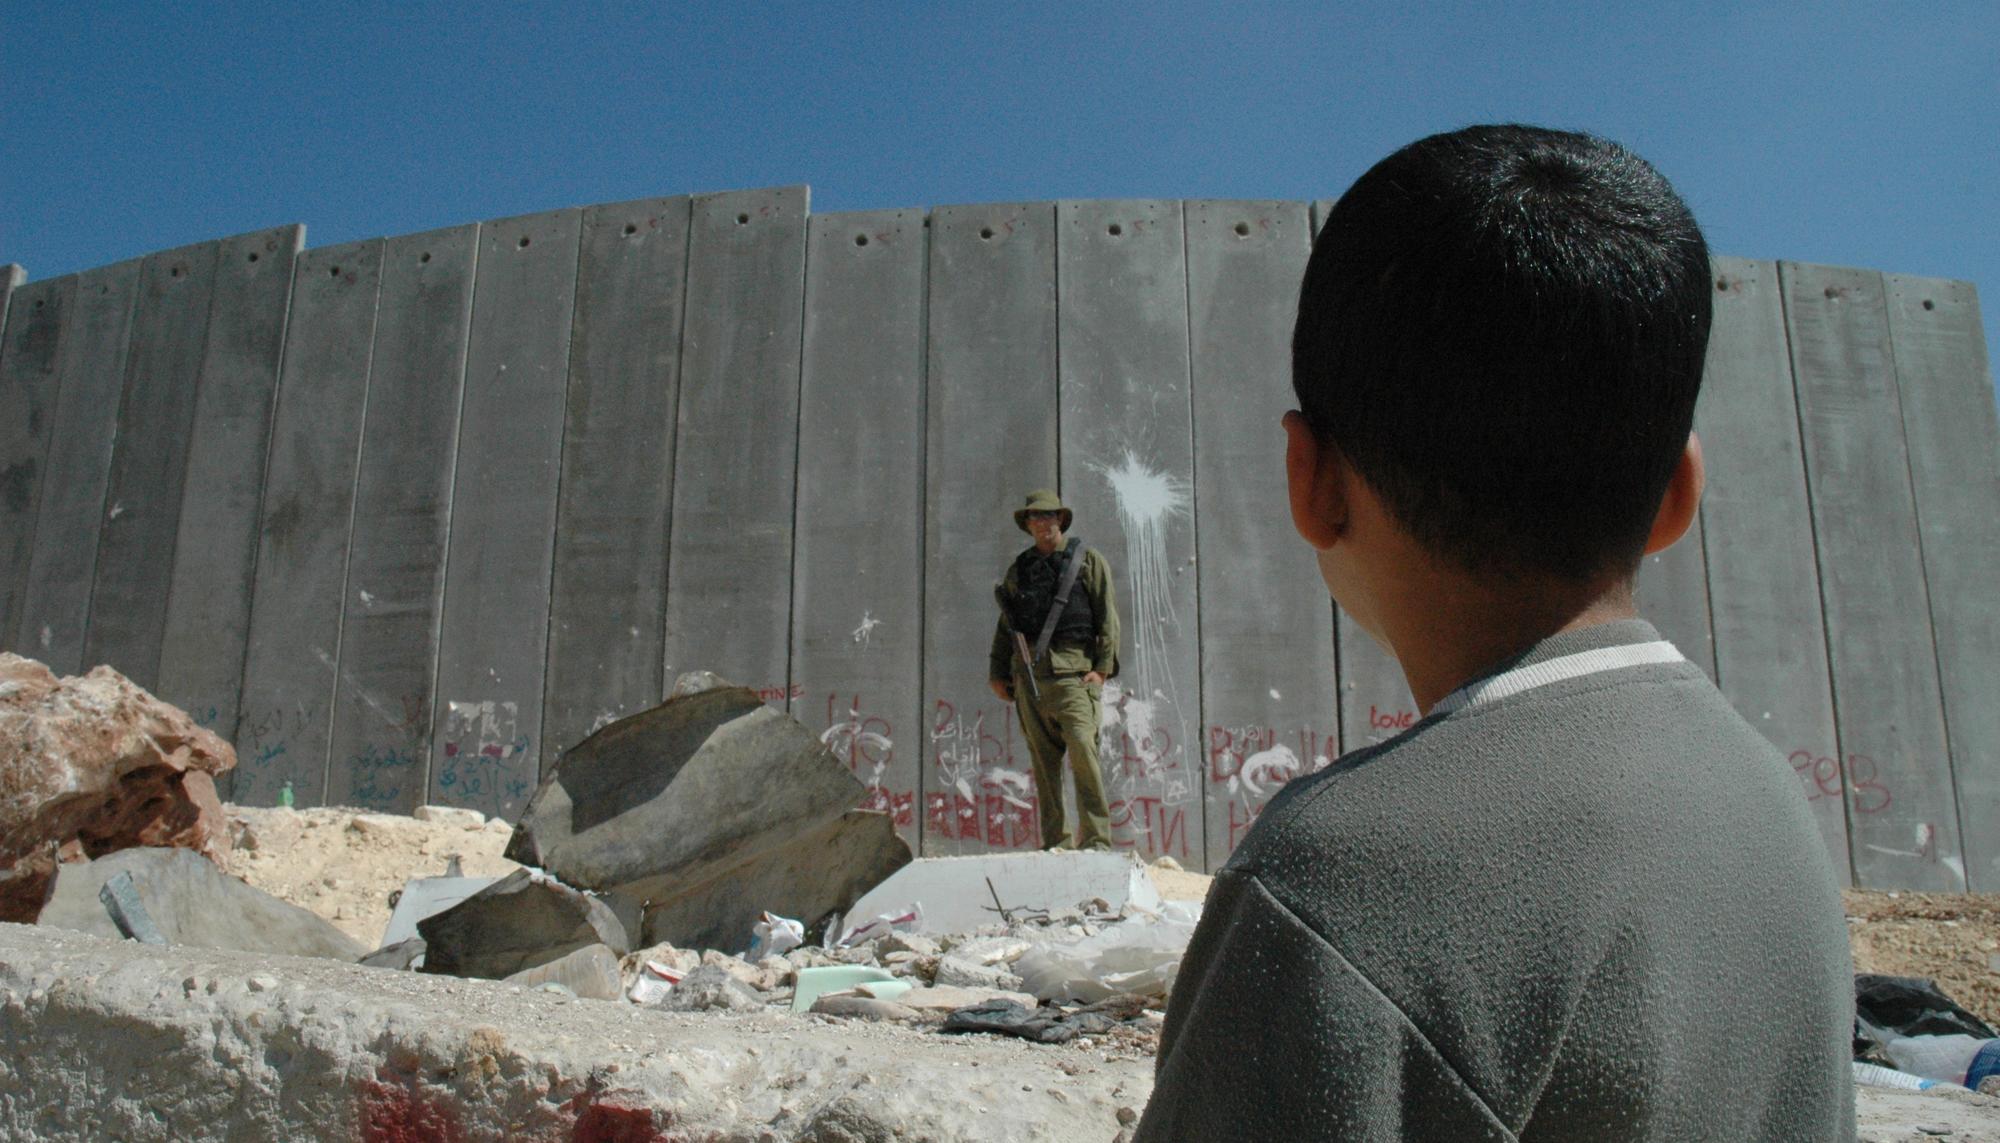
[866, 743]
[484, 756]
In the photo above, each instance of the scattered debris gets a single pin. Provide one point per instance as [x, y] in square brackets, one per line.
[186, 900]
[712, 808]
[90, 765]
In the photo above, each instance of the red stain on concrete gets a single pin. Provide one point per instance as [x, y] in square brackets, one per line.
[394, 1114]
[607, 1122]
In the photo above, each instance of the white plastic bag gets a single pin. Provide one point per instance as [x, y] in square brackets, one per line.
[774, 936]
[1139, 955]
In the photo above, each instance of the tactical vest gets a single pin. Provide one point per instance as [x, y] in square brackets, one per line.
[1036, 578]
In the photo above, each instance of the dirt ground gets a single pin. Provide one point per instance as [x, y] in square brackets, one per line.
[344, 864]
[1952, 938]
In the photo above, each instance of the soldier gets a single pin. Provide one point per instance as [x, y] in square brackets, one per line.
[1057, 640]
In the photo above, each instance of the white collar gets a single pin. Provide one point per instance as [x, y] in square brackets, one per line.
[1532, 675]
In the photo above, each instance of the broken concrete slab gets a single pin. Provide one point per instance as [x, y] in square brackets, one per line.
[93, 764]
[955, 898]
[424, 897]
[402, 956]
[590, 972]
[712, 808]
[190, 902]
[525, 919]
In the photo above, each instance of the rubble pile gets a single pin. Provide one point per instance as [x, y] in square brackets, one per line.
[90, 765]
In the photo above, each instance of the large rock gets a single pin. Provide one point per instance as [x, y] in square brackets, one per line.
[712, 808]
[90, 765]
[524, 920]
[192, 902]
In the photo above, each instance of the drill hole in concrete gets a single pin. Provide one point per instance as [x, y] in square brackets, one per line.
[1722, 285]
[742, 220]
[333, 271]
[253, 255]
[630, 230]
[1114, 230]
[861, 240]
[986, 232]
[177, 271]
[524, 242]
[424, 257]
[40, 302]
[1929, 305]
[1242, 230]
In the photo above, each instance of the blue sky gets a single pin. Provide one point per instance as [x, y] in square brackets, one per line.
[1856, 134]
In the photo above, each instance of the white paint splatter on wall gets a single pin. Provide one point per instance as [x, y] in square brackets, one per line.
[869, 623]
[1148, 500]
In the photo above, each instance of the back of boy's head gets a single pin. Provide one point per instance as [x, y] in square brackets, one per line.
[1502, 330]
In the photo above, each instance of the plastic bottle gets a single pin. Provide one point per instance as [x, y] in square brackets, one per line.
[1948, 1058]
[1875, 1075]
[285, 794]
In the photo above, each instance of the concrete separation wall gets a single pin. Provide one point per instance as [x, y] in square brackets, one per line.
[112, 1040]
[406, 518]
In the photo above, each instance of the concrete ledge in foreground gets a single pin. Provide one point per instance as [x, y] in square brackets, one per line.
[103, 1039]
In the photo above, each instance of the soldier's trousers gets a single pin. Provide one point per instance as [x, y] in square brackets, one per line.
[1064, 718]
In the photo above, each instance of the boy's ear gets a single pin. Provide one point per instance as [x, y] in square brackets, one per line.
[1313, 482]
[1683, 497]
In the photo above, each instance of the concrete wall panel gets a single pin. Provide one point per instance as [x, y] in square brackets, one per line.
[990, 439]
[383, 697]
[857, 584]
[288, 678]
[31, 350]
[1903, 818]
[493, 638]
[1763, 572]
[215, 555]
[607, 603]
[1268, 680]
[55, 606]
[135, 553]
[729, 563]
[1954, 441]
[1128, 471]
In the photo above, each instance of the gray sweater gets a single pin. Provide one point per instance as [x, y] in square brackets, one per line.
[1595, 909]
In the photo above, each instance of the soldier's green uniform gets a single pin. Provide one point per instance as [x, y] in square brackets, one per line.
[1066, 714]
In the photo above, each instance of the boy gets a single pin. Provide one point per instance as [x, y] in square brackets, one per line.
[1581, 899]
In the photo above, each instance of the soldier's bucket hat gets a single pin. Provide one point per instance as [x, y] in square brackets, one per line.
[1042, 500]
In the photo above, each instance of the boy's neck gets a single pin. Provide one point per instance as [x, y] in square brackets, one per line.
[1447, 629]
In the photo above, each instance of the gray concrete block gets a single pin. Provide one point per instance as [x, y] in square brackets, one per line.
[712, 808]
[523, 920]
[192, 902]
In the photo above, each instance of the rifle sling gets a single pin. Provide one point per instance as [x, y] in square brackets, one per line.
[1070, 570]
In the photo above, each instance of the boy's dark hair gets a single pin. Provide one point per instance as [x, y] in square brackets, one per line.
[1502, 329]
